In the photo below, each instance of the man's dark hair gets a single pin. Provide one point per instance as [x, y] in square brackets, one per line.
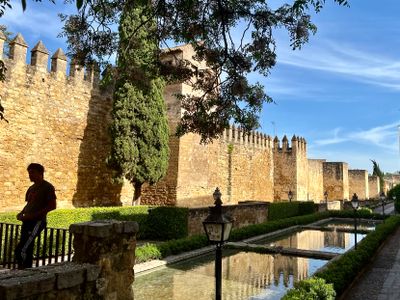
[37, 167]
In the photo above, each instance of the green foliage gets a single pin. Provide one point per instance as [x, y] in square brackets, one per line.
[174, 247]
[341, 272]
[311, 289]
[216, 102]
[147, 252]
[281, 210]
[395, 192]
[165, 223]
[139, 130]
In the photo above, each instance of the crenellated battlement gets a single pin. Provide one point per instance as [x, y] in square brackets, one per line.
[236, 135]
[298, 144]
[39, 62]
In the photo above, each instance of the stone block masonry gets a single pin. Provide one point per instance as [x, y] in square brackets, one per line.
[373, 186]
[336, 180]
[316, 180]
[102, 267]
[290, 169]
[59, 121]
[62, 122]
[358, 183]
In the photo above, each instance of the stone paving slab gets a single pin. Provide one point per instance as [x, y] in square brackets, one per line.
[381, 280]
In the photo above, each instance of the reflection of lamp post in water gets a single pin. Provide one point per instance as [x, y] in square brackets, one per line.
[217, 227]
[382, 197]
[290, 195]
[354, 204]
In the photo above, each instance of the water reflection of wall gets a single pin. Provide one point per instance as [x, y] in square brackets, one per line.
[316, 240]
[244, 275]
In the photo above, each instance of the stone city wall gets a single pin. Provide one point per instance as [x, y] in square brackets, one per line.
[316, 180]
[290, 169]
[243, 214]
[373, 186]
[62, 122]
[59, 121]
[336, 180]
[358, 183]
[240, 165]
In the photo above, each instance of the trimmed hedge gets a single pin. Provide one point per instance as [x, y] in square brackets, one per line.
[169, 222]
[312, 288]
[173, 247]
[165, 222]
[342, 272]
[282, 210]
[395, 192]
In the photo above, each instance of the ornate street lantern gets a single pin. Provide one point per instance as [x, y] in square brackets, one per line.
[218, 228]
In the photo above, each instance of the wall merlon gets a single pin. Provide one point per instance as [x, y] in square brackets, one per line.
[76, 71]
[40, 56]
[59, 62]
[18, 49]
[93, 74]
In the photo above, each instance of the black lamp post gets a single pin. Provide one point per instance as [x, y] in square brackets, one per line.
[290, 195]
[355, 204]
[383, 197]
[217, 227]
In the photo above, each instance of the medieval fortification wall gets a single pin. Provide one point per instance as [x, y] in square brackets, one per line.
[358, 184]
[62, 121]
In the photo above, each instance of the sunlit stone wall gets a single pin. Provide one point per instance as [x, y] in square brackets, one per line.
[358, 183]
[373, 186]
[59, 121]
[316, 180]
[336, 180]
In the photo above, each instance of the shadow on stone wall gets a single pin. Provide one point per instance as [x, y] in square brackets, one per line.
[94, 186]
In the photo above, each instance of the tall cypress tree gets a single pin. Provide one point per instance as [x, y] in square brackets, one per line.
[376, 170]
[139, 130]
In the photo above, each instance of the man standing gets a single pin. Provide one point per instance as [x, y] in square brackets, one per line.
[40, 199]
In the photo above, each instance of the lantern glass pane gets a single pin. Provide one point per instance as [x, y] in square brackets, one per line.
[214, 231]
[227, 231]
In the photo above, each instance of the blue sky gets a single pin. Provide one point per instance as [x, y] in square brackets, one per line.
[340, 91]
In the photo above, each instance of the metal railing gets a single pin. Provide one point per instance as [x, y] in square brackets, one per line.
[52, 245]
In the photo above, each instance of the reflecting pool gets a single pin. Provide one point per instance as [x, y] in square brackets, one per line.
[329, 241]
[350, 225]
[247, 276]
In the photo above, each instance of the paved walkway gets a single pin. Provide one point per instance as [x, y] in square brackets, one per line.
[381, 280]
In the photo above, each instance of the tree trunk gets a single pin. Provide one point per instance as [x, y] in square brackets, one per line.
[137, 194]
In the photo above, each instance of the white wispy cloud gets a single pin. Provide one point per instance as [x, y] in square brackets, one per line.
[382, 136]
[368, 67]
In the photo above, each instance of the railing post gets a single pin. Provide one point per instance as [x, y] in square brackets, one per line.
[110, 245]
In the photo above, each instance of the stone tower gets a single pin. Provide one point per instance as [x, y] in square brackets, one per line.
[290, 169]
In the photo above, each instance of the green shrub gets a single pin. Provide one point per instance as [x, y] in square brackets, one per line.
[282, 210]
[165, 223]
[395, 192]
[147, 252]
[342, 271]
[311, 289]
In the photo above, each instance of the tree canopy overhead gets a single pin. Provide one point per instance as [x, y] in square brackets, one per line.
[234, 37]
